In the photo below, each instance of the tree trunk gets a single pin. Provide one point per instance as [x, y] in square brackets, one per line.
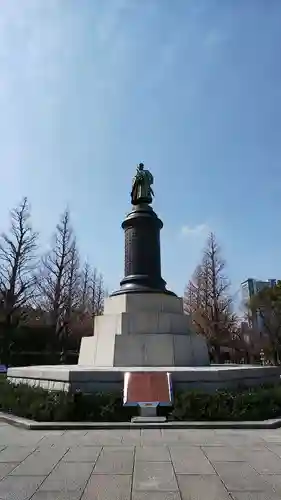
[217, 354]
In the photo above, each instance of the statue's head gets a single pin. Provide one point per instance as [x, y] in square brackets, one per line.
[141, 165]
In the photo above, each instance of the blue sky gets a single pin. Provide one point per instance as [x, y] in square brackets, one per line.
[192, 88]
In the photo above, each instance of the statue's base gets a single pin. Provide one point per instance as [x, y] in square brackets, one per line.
[141, 329]
[131, 285]
[89, 379]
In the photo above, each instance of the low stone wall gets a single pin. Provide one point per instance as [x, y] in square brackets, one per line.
[89, 380]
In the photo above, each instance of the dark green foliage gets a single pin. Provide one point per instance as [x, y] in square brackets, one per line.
[245, 404]
[41, 405]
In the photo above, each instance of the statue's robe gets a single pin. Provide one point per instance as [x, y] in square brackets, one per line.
[141, 189]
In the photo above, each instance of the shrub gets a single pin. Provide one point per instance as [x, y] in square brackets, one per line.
[41, 405]
[248, 404]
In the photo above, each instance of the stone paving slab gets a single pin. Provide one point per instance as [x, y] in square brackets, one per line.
[115, 461]
[275, 448]
[39, 463]
[68, 477]
[154, 476]
[152, 454]
[19, 488]
[57, 495]
[107, 437]
[15, 453]
[238, 476]
[202, 488]
[134, 464]
[223, 454]
[193, 462]
[5, 469]
[104, 487]
[82, 454]
[259, 495]
[156, 495]
[274, 481]
[264, 462]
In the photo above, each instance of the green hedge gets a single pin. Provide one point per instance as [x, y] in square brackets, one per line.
[37, 404]
[41, 405]
[245, 404]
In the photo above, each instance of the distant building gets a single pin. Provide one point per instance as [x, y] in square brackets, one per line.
[249, 288]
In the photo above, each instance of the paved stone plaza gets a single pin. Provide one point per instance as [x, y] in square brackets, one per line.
[140, 464]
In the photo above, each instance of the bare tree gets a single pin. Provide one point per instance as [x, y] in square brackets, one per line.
[208, 301]
[97, 293]
[72, 298]
[84, 323]
[85, 287]
[17, 261]
[56, 278]
[192, 298]
[73, 282]
[92, 294]
[92, 291]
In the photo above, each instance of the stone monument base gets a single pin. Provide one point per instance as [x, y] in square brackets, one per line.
[143, 329]
[91, 380]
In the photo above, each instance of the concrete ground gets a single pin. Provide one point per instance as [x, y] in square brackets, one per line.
[140, 464]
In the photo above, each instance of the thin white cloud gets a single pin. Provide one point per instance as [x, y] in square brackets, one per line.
[199, 230]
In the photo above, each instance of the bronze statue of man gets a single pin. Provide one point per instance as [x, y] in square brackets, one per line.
[142, 191]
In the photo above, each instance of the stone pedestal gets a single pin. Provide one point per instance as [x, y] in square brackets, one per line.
[143, 329]
[142, 253]
[87, 379]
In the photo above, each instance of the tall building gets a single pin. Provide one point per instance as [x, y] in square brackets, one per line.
[249, 288]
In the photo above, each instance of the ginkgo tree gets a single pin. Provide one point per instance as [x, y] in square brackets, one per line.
[208, 300]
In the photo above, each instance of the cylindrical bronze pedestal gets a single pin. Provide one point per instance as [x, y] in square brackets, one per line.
[142, 253]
